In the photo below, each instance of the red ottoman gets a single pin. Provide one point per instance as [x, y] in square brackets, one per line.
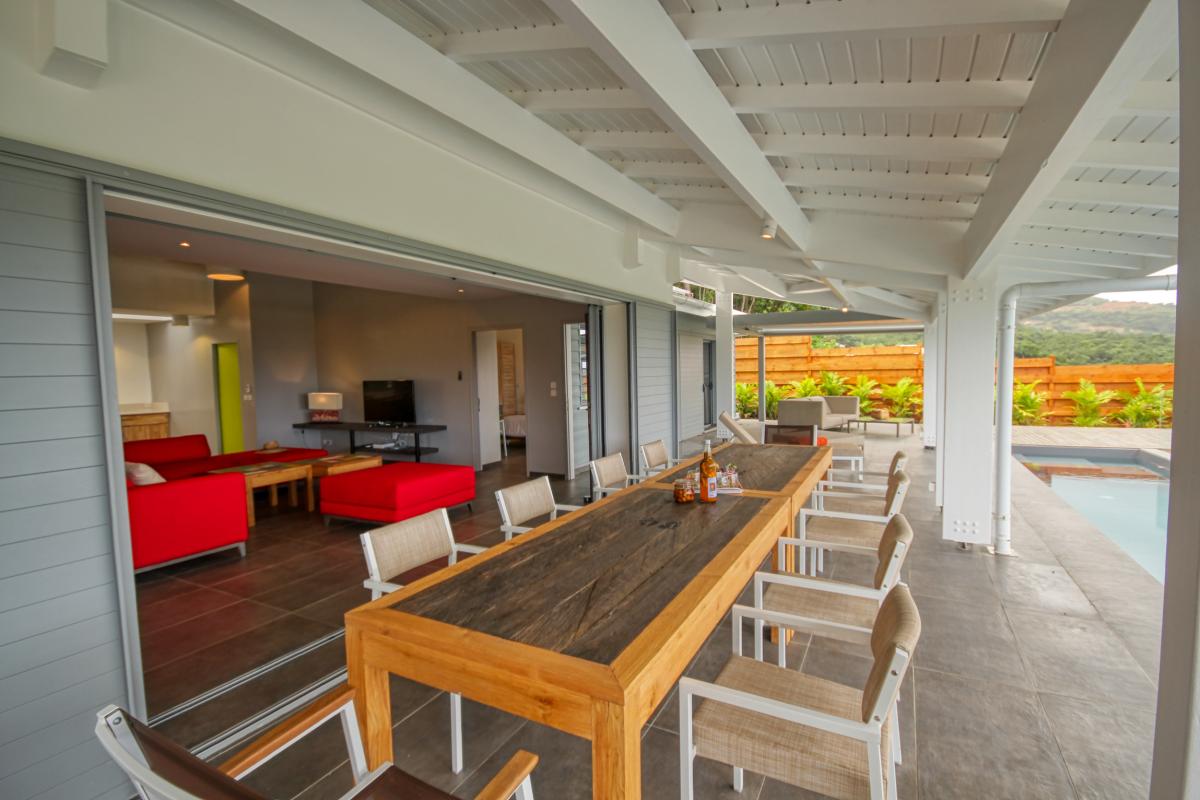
[396, 491]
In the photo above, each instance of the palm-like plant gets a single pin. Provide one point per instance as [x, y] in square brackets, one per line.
[1029, 405]
[1145, 408]
[864, 386]
[1089, 403]
[903, 396]
[805, 387]
[746, 399]
[832, 384]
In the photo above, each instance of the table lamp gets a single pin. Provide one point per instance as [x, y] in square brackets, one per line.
[324, 406]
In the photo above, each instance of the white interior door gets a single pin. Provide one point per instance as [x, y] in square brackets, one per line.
[487, 381]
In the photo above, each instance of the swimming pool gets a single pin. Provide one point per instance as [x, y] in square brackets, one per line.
[1124, 493]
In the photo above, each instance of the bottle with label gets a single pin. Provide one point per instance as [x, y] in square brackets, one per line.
[708, 475]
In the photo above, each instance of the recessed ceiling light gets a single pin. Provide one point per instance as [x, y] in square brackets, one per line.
[185, 244]
[224, 274]
[769, 228]
[845, 309]
[461, 291]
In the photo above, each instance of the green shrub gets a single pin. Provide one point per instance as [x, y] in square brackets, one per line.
[903, 396]
[832, 384]
[806, 387]
[864, 386]
[1029, 405]
[1145, 408]
[1088, 403]
[745, 399]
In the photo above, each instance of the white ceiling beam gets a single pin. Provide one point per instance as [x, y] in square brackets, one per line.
[663, 169]
[1102, 242]
[894, 299]
[1154, 98]
[700, 194]
[1093, 257]
[900, 207]
[357, 34]
[1053, 268]
[1110, 221]
[883, 277]
[643, 46]
[1130, 155]
[915, 245]
[1100, 51]
[916, 148]
[1124, 194]
[510, 43]
[907, 182]
[975, 96]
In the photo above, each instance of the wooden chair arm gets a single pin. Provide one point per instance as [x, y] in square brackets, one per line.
[288, 731]
[506, 781]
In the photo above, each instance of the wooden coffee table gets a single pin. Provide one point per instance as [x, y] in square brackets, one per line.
[863, 422]
[270, 475]
[345, 462]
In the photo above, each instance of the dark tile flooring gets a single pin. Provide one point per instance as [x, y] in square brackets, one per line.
[1034, 678]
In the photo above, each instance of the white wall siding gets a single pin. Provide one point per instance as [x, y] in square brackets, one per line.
[61, 655]
[655, 375]
[691, 386]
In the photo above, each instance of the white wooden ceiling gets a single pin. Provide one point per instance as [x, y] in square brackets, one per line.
[883, 119]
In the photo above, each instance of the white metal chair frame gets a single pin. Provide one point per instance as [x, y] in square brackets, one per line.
[818, 497]
[603, 491]
[858, 482]
[380, 587]
[507, 524]
[869, 732]
[649, 469]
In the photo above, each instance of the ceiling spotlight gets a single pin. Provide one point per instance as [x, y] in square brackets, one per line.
[185, 244]
[845, 309]
[770, 226]
[224, 274]
[461, 291]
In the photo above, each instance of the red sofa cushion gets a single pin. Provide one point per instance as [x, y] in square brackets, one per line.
[171, 448]
[396, 491]
[198, 466]
[181, 518]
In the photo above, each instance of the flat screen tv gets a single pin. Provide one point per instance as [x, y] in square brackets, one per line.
[389, 401]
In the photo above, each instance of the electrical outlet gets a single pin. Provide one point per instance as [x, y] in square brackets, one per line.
[327, 443]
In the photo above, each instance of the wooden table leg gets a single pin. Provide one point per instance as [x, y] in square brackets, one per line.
[293, 497]
[309, 481]
[249, 505]
[373, 700]
[273, 493]
[616, 753]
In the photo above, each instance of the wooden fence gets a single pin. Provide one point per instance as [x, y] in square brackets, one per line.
[791, 358]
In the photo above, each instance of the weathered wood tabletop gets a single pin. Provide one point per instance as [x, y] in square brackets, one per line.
[583, 624]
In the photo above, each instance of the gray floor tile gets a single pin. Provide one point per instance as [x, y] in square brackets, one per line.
[1041, 587]
[972, 641]
[1108, 749]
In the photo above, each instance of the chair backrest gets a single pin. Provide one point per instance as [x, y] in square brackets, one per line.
[161, 769]
[801, 411]
[655, 455]
[842, 404]
[525, 501]
[609, 470]
[739, 433]
[893, 639]
[899, 461]
[897, 488]
[893, 549]
[395, 549]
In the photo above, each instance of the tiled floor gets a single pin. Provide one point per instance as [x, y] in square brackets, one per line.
[1034, 678]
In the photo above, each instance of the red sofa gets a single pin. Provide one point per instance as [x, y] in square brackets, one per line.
[396, 491]
[193, 513]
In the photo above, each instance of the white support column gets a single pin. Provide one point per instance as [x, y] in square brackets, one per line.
[724, 372]
[931, 407]
[967, 442]
[762, 378]
[940, 310]
[1176, 771]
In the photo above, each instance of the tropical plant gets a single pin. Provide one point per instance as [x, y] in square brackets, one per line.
[774, 393]
[832, 384]
[864, 386]
[1088, 403]
[745, 399]
[1145, 408]
[1028, 404]
[903, 396]
[805, 387]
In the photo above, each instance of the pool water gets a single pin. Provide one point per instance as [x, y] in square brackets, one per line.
[1131, 510]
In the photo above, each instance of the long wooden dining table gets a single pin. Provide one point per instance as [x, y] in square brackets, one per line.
[585, 623]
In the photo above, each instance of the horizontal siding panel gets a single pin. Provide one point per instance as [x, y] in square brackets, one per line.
[35, 360]
[105, 782]
[32, 523]
[22, 261]
[655, 383]
[51, 456]
[31, 588]
[30, 555]
[38, 197]
[46, 424]
[57, 706]
[26, 491]
[26, 294]
[56, 772]
[49, 392]
[58, 643]
[40, 745]
[34, 230]
[24, 687]
[23, 623]
[35, 327]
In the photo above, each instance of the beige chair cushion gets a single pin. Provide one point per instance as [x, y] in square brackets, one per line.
[823, 606]
[899, 461]
[527, 501]
[897, 483]
[610, 470]
[864, 504]
[802, 411]
[897, 626]
[898, 532]
[656, 454]
[402, 546]
[143, 474]
[813, 759]
[844, 531]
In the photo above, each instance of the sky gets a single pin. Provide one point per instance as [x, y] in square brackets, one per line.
[1146, 297]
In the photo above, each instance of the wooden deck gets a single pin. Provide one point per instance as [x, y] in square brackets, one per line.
[1132, 438]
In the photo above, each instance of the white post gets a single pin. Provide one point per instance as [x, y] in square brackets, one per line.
[724, 372]
[762, 378]
[1004, 399]
[939, 434]
[931, 406]
[967, 437]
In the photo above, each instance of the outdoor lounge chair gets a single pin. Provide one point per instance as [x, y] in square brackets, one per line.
[527, 501]
[162, 770]
[401, 546]
[800, 729]
[609, 475]
[656, 457]
[824, 413]
[848, 518]
[741, 433]
[851, 480]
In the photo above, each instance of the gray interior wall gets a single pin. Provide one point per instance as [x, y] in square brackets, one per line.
[285, 355]
[655, 375]
[61, 655]
[615, 347]
[364, 334]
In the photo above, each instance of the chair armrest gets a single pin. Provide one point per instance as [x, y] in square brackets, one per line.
[820, 512]
[805, 582]
[824, 493]
[863, 488]
[841, 547]
[510, 777]
[473, 549]
[773, 708]
[278, 738]
[381, 586]
[563, 507]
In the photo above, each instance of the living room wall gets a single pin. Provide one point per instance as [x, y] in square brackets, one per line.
[285, 356]
[365, 334]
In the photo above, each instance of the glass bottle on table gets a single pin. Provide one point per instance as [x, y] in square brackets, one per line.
[708, 475]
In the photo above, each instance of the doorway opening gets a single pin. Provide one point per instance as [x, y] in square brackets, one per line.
[577, 396]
